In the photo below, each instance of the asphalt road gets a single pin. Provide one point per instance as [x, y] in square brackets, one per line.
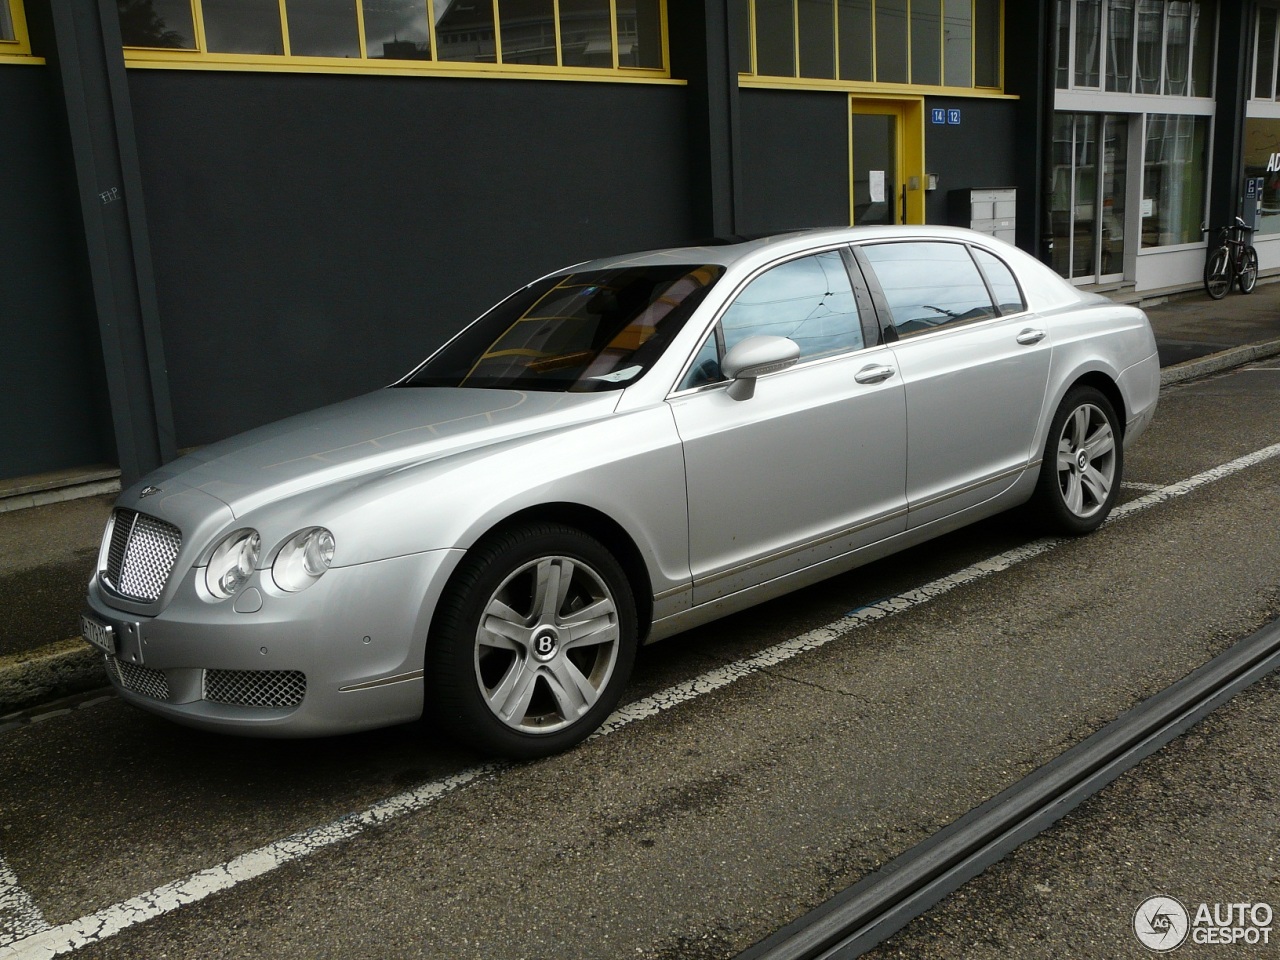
[742, 796]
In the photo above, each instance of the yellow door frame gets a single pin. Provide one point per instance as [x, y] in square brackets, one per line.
[909, 149]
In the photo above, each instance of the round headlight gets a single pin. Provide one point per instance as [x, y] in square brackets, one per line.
[232, 563]
[303, 559]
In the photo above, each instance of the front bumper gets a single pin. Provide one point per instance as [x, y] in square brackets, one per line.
[345, 654]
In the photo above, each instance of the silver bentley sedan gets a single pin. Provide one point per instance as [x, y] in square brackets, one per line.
[615, 453]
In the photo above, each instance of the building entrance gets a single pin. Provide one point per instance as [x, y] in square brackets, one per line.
[1089, 187]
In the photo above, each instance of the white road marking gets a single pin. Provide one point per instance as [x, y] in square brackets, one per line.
[1146, 487]
[38, 941]
[19, 915]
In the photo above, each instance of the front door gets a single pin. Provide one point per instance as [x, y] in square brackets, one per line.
[886, 155]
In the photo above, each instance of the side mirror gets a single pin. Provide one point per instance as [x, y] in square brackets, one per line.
[754, 357]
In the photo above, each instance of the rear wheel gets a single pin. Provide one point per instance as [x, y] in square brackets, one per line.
[531, 647]
[1249, 272]
[1083, 462]
[1217, 273]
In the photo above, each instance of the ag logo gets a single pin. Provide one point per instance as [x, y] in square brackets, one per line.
[1161, 923]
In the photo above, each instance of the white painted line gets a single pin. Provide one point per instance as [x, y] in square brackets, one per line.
[1145, 487]
[52, 941]
[19, 915]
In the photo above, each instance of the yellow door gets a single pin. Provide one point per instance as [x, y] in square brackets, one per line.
[886, 161]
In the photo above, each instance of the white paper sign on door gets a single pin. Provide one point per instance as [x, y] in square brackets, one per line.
[877, 185]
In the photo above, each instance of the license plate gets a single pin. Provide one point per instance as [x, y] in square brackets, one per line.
[101, 635]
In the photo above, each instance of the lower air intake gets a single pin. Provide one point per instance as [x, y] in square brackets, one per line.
[255, 688]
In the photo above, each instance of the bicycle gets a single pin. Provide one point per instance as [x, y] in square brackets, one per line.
[1232, 261]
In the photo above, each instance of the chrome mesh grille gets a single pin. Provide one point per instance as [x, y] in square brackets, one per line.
[141, 554]
[140, 680]
[255, 688]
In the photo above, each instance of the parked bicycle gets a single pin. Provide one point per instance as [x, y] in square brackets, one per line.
[1232, 261]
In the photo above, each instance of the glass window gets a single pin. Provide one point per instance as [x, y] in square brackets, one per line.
[809, 300]
[817, 24]
[397, 30]
[242, 26]
[740, 10]
[957, 52]
[586, 33]
[1204, 23]
[891, 41]
[1150, 30]
[1173, 183]
[1265, 70]
[6, 22]
[165, 24]
[1001, 280]
[856, 54]
[640, 33]
[323, 28]
[1262, 159]
[465, 32]
[1088, 37]
[1177, 51]
[929, 284]
[987, 57]
[528, 31]
[1064, 44]
[775, 38]
[926, 42]
[575, 332]
[1120, 46]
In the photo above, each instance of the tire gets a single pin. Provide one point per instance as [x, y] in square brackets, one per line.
[532, 644]
[1217, 274]
[1083, 464]
[1249, 272]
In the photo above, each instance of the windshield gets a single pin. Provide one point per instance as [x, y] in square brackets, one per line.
[577, 332]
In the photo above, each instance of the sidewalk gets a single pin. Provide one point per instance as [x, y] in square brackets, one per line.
[47, 552]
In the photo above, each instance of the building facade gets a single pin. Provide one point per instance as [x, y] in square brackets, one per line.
[215, 213]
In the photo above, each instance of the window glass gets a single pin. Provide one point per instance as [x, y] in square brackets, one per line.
[929, 284]
[1177, 51]
[1261, 149]
[957, 55]
[706, 364]
[397, 30]
[855, 40]
[809, 300]
[775, 38]
[586, 33]
[640, 33]
[817, 24]
[1265, 69]
[891, 41]
[1000, 278]
[6, 22]
[1064, 45]
[575, 332]
[528, 31]
[986, 34]
[1173, 180]
[1120, 46]
[465, 32]
[323, 28]
[741, 14]
[926, 42]
[1204, 21]
[242, 26]
[1150, 30]
[149, 23]
[1088, 36]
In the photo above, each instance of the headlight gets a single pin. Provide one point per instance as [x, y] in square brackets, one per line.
[303, 559]
[232, 563]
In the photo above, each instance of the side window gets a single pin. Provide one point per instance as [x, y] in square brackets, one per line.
[1003, 285]
[929, 284]
[809, 300]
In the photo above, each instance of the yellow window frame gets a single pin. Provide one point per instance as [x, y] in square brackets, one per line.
[201, 58]
[17, 50]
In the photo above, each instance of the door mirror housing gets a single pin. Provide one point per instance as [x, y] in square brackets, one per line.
[754, 357]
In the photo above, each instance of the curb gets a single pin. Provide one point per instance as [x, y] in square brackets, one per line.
[73, 666]
[54, 671]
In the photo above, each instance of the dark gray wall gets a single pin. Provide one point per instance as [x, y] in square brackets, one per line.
[314, 236]
[55, 414]
[978, 153]
[795, 160]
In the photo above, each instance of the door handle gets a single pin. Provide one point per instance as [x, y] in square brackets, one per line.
[1029, 336]
[874, 373]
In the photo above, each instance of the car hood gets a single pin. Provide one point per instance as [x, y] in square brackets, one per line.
[368, 436]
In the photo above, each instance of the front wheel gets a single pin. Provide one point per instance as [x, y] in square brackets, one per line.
[1083, 463]
[1217, 273]
[532, 644]
[1249, 270]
